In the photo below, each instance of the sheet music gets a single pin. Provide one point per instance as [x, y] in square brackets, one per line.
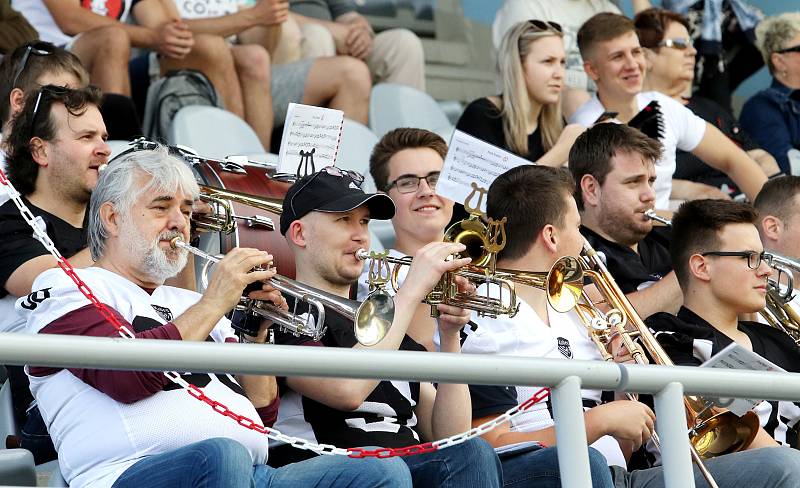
[735, 356]
[472, 160]
[308, 127]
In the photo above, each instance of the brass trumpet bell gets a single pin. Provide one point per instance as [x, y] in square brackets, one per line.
[373, 318]
[724, 433]
[470, 232]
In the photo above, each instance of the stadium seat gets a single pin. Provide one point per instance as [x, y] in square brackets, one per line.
[8, 425]
[17, 468]
[392, 106]
[213, 132]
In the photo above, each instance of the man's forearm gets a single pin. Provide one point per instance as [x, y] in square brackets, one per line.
[663, 296]
[224, 26]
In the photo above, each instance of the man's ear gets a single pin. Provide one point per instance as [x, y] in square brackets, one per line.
[549, 238]
[771, 227]
[40, 151]
[16, 99]
[588, 66]
[590, 190]
[110, 219]
[699, 268]
[296, 233]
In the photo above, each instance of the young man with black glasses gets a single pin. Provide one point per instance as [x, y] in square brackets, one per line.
[55, 145]
[405, 164]
[721, 267]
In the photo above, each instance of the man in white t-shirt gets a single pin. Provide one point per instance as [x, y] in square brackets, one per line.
[570, 15]
[405, 164]
[778, 206]
[542, 226]
[138, 428]
[614, 59]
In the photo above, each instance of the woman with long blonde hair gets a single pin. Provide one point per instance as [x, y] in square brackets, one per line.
[526, 118]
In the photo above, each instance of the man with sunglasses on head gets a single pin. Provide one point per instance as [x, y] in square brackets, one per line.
[55, 145]
[325, 221]
[27, 68]
[405, 164]
[615, 60]
[720, 264]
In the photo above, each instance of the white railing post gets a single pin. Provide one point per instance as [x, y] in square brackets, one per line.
[573, 453]
[672, 431]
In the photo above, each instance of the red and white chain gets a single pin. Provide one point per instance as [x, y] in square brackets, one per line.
[247, 422]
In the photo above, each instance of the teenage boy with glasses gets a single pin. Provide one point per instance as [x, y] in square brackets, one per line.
[405, 164]
[720, 264]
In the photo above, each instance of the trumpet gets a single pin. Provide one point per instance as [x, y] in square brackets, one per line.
[652, 215]
[446, 290]
[371, 318]
[712, 431]
[778, 312]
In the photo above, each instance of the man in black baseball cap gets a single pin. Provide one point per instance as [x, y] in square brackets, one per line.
[332, 190]
[325, 217]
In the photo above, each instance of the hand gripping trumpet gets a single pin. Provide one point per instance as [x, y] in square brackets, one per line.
[371, 318]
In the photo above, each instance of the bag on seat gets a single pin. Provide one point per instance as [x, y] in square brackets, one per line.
[178, 89]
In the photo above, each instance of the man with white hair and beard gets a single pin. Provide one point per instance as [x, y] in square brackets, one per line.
[154, 434]
[613, 166]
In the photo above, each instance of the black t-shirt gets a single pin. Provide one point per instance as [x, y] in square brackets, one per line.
[18, 246]
[396, 400]
[684, 338]
[629, 268]
[690, 167]
[482, 119]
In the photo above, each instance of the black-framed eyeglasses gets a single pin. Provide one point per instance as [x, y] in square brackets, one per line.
[546, 25]
[37, 49]
[50, 90]
[792, 49]
[410, 183]
[753, 258]
[354, 176]
[680, 43]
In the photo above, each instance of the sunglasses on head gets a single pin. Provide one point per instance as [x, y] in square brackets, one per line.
[546, 25]
[37, 49]
[680, 43]
[51, 91]
[793, 49]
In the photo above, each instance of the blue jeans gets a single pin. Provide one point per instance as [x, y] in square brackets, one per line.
[770, 467]
[222, 462]
[470, 464]
[538, 468]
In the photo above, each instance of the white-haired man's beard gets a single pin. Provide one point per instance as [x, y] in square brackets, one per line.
[154, 262]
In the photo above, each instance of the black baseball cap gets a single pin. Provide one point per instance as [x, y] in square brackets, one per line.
[332, 190]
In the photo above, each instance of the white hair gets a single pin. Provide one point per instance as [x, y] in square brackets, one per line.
[773, 34]
[120, 183]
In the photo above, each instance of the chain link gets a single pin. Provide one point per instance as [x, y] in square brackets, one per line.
[246, 422]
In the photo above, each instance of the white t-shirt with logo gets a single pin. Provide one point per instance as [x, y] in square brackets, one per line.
[526, 335]
[40, 18]
[682, 130]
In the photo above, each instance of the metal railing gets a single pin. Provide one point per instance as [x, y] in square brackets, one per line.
[565, 377]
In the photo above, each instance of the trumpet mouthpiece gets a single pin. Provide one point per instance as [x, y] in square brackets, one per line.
[362, 254]
[176, 242]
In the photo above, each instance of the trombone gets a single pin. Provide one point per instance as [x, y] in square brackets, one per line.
[371, 318]
[224, 219]
[778, 312]
[712, 431]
